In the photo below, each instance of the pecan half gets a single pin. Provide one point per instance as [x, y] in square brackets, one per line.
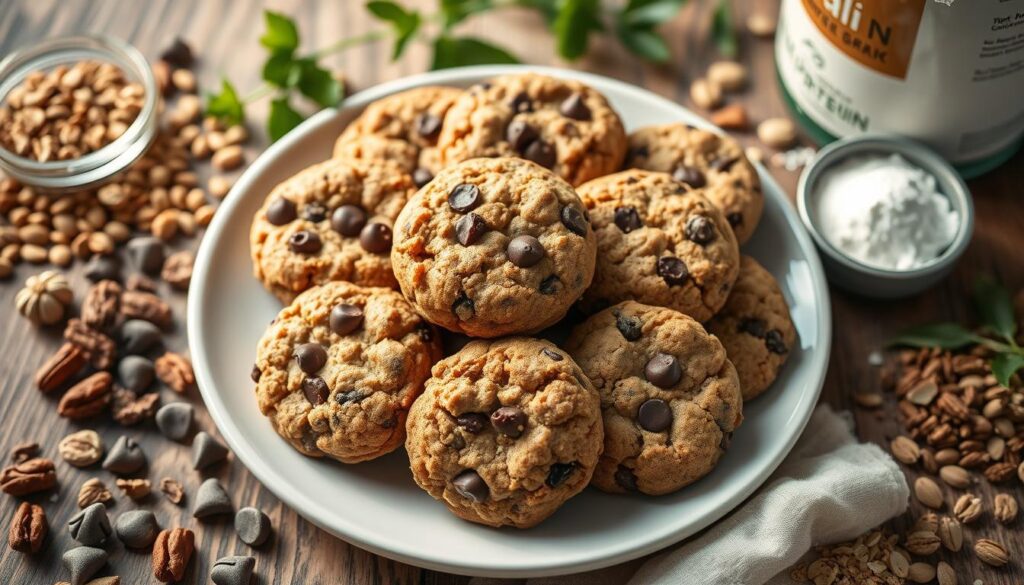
[101, 305]
[34, 475]
[28, 528]
[61, 367]
[24, 451]
[97, 347]
[131, 409]
[93, 491]
[175, 370]
[86, 398]
[171, 553]
[146, 306]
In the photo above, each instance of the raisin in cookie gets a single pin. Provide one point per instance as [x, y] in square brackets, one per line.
[338, 369]
[505, 432]
[331, 221]
[559, 124]
[402, 128]
[755, 328]
[669, 396]
[494, 246]
[706, 160]
[659, 243]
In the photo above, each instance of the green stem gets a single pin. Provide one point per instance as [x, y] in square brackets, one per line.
[259, 93]
[348, 43]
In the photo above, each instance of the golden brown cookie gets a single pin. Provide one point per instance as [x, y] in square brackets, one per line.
[505, 432]
[492, 247]
[669, 396]
[659, 243]
[332, 221]
[705, 160]
[560, 124]
[338, 369]
[755, 328]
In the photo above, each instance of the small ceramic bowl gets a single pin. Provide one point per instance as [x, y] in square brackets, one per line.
[856, 276]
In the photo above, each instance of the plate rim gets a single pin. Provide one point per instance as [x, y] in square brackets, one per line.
[352, 533]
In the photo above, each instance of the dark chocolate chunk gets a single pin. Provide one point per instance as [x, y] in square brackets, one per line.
[463, 308]
[654, 415]
[753, 326]
[542, 153]
[464, 197]
[691, 176]
[554, 355]
[627, 219]
[509, 420]
[773, 340]
[626, 479]
[422, 176]
[310, 357]
[316, 390]
[376, 238]
[281, 211]
[672, 269]
[348, 220]
[345, 318]
[470, 485]
[525, 251]
[575, 221]
[550, 285]
[574, 107]
[305, 242]
[428, 125]
[663, 370]
[700, 229]
[629, 327]
[314, 212]
[473, 422]
[469, 228]
[559, 472]
[520, 135]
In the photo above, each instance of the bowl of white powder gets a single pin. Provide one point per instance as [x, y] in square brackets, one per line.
[890, 217]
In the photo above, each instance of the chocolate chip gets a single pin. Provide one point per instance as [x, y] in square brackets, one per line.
[83, 562]
[753, 326]
[471, 486]
[314, 212]
[654, 415]
[521, 103]
[469, 228]
[315, 389]
[554, 355]
[691, 176]
[464, 197]
[345, 318]
[428, 125]
[629, 327]
[375, 238]
[574, 219]
[136, 528]
[723, 164]
[305, 242]
[463, 307]
[700, 229]
[147, 253]
[574, 107]
[626, 479]
[663, 370]
[558, 473]
[234, 570]
[550, 285]
[473, 422]
[350, 396]
[91, 526]
[672, 269]
[348, 220]
[138, 336]
[253, 526]
[525, 251]
[135, 373]
[174, 420]
[735, 218]
[310, 357]
[206, 451]
[281, 211]
[422, 176]
[211, 500]
[509, 420]
[103, 268]
[520, 135]
[255, 374]
[124, 457]
[179, 54]
[627, 219]
[773, 340]
[541, 153]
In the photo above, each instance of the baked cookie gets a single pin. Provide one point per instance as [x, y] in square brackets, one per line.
[755, 328]
[338, 369]
[331, 221]
[559, 124]
[402, 128]
[505, 432]
[705, 160]
[494, 246]
[659, 243]
[669, 396]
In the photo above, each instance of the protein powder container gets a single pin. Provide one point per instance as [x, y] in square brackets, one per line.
[949, 73]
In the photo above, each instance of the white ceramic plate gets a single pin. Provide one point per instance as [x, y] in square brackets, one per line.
[376, 505]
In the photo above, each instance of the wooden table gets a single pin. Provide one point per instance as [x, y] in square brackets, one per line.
[225, 34]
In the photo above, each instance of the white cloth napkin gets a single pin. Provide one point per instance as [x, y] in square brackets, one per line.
[830, 488]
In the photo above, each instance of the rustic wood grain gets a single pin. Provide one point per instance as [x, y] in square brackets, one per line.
[225, 35]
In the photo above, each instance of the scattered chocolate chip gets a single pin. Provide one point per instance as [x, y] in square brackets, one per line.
[256, 373]
[541, 152]
[91, 526]
[550, 285]
[175, 420]
[700, 229]
[473, 422]
[672, 269]
[305, 242]
[103, 268]
[428, 125]
[316, 390]
[575, 221]
[253, 526]
[281, 211]
[753, 326]
[654, 415]
[735, 218]
[376, 238]
[574, 107]
[206, 451]
[314, 212]
[211, 500]
[554, 355]
[147, 254]
[627, 219]
[773, 340]
[350, 396]
[345, 319]
[525, 251]
[135, 373]
[469, 228]
[422, 176]
[310, 357]
[235, 570]
[83, 562]
[179, 54]
[138, 336]
[521, 103]
[348, 220]
[464, 197]
[691, 176]
[125, 457]
[136, 528]
[723, 164]
[629, 327]
[471, 486]
[559, 472]
[520, 135]
[663, 370]
[463, 308]
[626, 479]
[509, 420]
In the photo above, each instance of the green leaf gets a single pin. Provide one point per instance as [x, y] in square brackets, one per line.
[722, 30]
[404, 23]
[283, 118]
[995, 308]
[649, 13]
[281, 35]
[225, 106]
[281, 70]
[457, 52]
[575, 21]
[455, 11]
[318, 84]
[644, 42]
[943, 335]
[1004, 365]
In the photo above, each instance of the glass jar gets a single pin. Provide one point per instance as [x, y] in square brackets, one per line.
[100, 165]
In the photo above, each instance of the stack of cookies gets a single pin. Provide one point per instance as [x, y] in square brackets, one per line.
[515, 212]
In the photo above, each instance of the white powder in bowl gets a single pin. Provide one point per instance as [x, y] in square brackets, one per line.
[884, 211]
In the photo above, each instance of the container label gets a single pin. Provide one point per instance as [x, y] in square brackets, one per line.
[879, 34]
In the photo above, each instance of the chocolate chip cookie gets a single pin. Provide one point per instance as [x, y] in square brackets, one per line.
[492, 247]
[505, 432]
[402, 128]
[669, 396]
[660, 243]
[704, 160]
[338, 369]
[331, 221]
[560, 124]
[755, 328]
